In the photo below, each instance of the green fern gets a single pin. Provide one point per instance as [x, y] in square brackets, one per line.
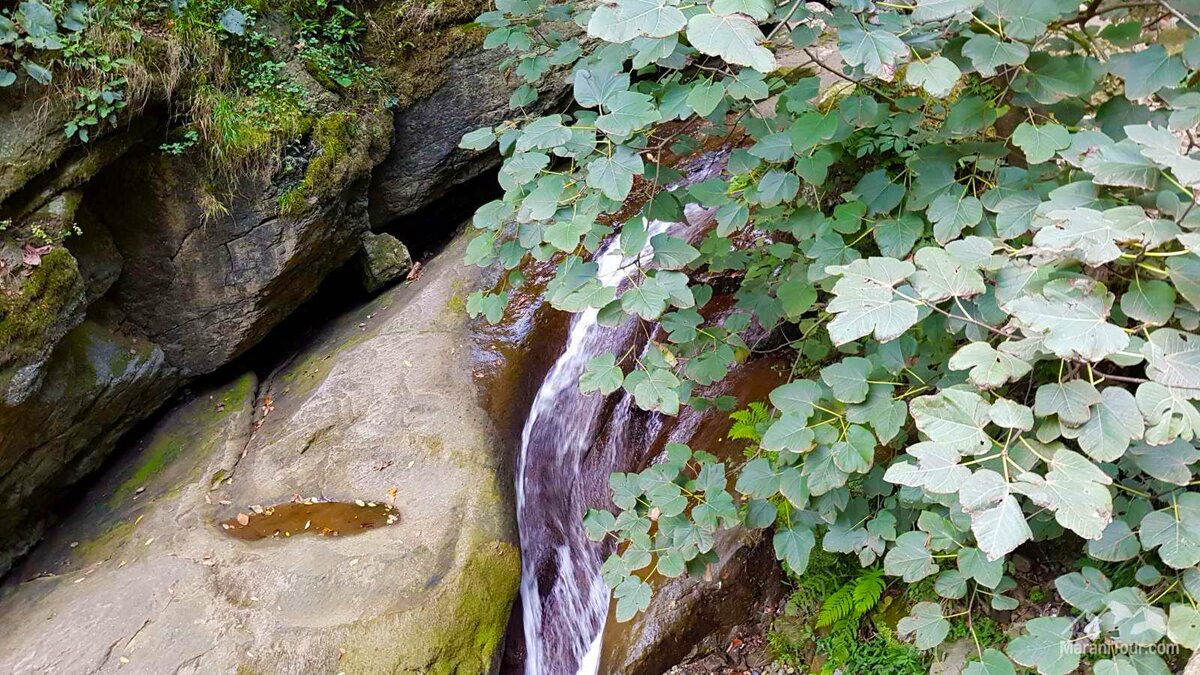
[853, 600]
[746, 422]
[837, 606]
[868, 590]
[843, 639]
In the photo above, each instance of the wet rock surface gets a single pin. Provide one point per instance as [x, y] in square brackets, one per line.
[381, 408]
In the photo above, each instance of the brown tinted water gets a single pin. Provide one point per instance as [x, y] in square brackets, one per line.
[320, 518]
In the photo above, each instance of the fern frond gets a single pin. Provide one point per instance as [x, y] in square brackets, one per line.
[746, 421]
[868, 589]
[837, 606]
[843, 640]
[853, 599]
[820, 583]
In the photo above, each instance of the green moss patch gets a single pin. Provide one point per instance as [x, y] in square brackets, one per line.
[32, 310]
[105, 545]
[462, 633]
[411, 43]
[191, 433]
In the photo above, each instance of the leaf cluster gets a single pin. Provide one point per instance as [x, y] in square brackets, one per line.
[996, 313]
[33, 32]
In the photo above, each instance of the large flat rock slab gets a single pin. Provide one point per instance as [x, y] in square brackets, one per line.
[380, 409]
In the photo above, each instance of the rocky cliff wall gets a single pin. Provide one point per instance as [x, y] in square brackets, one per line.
[204, 211]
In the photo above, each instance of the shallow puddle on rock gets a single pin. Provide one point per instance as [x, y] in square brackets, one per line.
[321, 518]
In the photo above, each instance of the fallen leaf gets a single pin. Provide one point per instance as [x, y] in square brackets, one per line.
[32, 255]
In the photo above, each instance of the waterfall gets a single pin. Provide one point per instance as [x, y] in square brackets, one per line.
[563, 599]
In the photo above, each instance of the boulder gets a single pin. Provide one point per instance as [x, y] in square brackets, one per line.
[58, 425]
[210, 266]
[382, 260]
[99, 260]
[75, 167]
[42, 291]
[55, 219]
[381, 408]
[31, 133]
[39, 304]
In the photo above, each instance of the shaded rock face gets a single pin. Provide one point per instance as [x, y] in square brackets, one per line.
[388, 413]
[31, 137]
[425, 162]
[97, 384]
[173, 291]
[692, 615]
[207, 282]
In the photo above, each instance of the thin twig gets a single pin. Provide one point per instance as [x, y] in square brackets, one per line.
[1179, 15]
[786, 19]
[814, 60]
[949, 315]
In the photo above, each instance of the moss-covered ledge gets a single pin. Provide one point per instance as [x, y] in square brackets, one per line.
[459, 632]
[38, 308]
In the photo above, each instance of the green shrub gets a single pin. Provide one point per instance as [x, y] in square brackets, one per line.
[976, 230]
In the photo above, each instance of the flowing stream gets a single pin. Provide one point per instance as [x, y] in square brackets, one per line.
[563, 599]
[569, 445]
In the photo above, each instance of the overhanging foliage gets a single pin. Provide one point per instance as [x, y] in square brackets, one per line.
[987, 237]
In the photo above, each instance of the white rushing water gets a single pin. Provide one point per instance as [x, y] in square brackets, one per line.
[562, 462]
[563, 599]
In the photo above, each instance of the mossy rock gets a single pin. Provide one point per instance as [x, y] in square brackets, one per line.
[40, 308]
[179, 452]
[411, 43]
[194, 431]
[95, 385]
[382, 261]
